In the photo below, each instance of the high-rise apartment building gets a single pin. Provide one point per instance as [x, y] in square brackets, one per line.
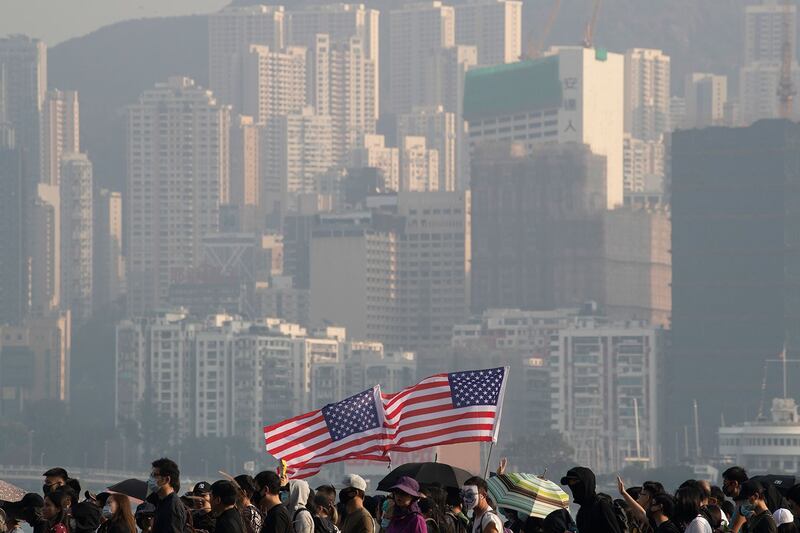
[375, 154]
[418, 35]
[231, 32]
[706, 95]
[273, 81]
[735, 276]
[434, 285]
[224, 376]
[23, 61]
[573, 95]
[537, 233]
[764, 30]
[14, 209]
[768, 25]
[44, 239]
[638, 264]
[344, 88]
[439, 129]
[493, 26]
[178, 167]
[377, 276]
[109, 263]
[77, 235]
[647, 93]
[296, 149]
[34, 362]
[758, 90]
[60, 132]
[419, 166]
[341, 22]
[245, 178]
[606, 391]
[643, 165]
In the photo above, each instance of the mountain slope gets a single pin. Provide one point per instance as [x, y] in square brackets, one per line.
[112, 66]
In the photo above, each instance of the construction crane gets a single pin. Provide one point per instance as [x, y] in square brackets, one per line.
[588, 33]
[535, 47]
[786, 89]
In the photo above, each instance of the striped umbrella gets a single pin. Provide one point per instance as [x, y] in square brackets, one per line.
[527, 494]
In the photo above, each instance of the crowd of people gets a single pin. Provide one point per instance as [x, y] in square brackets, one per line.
[271, 503]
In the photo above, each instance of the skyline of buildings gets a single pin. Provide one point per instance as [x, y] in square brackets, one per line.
[399, 183]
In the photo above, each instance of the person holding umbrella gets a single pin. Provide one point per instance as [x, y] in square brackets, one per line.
[406, 515]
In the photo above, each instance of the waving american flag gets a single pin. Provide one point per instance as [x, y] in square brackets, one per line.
[442, 409]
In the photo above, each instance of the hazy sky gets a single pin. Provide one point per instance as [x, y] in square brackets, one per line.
[57, 20]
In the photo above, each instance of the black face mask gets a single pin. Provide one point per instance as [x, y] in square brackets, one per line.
[46, 489]
[346, 496]
[257, 497]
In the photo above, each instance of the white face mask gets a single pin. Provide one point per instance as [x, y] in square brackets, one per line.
[470, 496]
[107, 511]
[152, 485]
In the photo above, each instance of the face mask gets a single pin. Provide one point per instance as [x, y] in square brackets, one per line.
[46, 489]
[345, 496]
[385, 523]
[747, 510]
[284, 497]
[107, 511]
[152, 485]
[470, 496]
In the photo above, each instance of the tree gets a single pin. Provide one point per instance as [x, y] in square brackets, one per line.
[535, 454]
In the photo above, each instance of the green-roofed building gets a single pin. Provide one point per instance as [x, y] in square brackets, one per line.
[572, 95]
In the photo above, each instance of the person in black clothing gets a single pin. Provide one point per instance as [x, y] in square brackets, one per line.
[596, 515]
[276, 516]
[754, 508]
[202, 516]
[223, 505]
[54, 479]
[162, 487]
[28, 510]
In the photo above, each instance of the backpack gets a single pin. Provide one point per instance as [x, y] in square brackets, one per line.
[491, 512]
[323, 525]
[297, 512]
[458, 526]
[621, 516]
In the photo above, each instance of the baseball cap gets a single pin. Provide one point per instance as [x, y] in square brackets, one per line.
[203, 487]
[783, 516]
[354, 481]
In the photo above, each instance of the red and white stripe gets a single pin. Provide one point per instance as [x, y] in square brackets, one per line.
[423, 415]
[305, 443]
[417, 417]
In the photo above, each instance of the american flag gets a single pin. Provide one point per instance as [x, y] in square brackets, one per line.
[349, 429]
[446, 409]
[442, 409]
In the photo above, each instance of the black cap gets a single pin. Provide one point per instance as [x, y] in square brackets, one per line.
[203, 487]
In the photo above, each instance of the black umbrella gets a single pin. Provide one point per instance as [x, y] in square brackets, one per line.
[135, 488]
[782, 483]
[427, 474]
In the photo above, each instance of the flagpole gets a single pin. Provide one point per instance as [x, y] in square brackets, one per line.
[488, 461]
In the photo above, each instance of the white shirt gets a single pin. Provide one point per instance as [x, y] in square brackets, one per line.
[699, 525]
[488, 516]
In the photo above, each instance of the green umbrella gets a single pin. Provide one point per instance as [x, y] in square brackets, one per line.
[527, 494]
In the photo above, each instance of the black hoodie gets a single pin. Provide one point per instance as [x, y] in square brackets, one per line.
[596, 515]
